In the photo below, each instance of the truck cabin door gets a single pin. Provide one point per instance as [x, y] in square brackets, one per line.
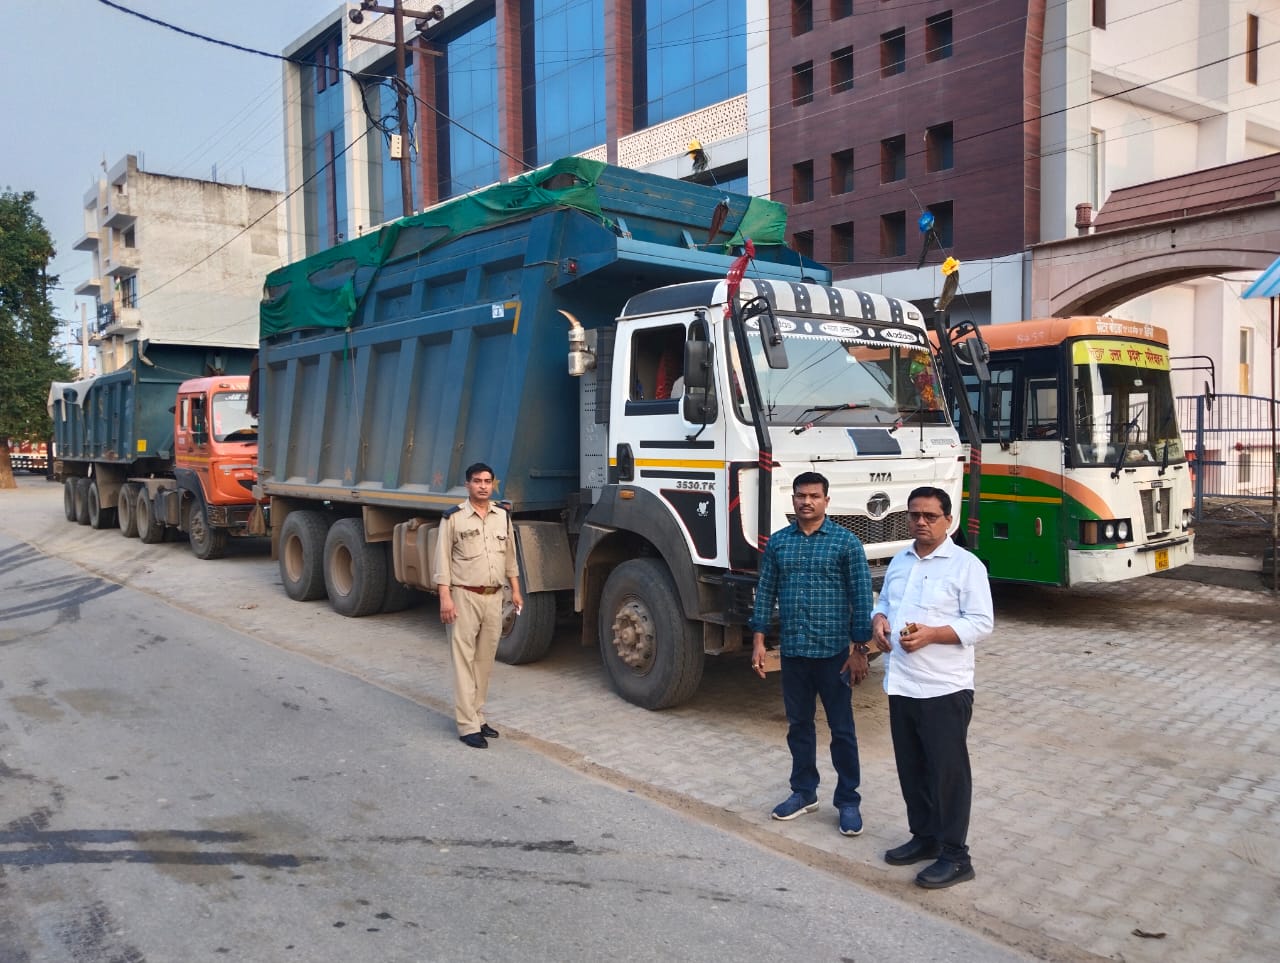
[682, 464]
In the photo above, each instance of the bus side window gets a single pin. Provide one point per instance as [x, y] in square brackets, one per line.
[1042, 408]
[997, 407]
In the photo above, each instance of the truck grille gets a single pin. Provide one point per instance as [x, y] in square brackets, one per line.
[1155, 509]
[891, 528]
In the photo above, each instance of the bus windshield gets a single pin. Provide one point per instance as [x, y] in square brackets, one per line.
[836, 371]
[1123, 405]
[230, 420]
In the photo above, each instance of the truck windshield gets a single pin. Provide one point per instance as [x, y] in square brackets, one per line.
[230, 421]
[1123, 404]
[840, 370]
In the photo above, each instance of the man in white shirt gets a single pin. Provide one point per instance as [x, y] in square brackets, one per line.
[934, 607]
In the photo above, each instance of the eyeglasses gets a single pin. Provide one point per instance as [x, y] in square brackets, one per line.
[929, 517]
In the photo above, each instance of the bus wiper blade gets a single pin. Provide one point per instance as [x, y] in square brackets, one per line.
[1164, 459]
[1129, 428]
[827, 412]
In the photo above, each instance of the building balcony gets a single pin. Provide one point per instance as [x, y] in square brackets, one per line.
[112, 320]
[119, 212]
[122, 263]
[90, 288]
[88, 241]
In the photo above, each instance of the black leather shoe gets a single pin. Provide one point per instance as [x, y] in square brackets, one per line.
[475, 740]
[488, 731]
[944, 873]
[915, 851]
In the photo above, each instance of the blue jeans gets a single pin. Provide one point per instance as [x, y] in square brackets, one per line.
[803, 681]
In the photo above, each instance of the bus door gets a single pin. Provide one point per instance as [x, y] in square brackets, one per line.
[998, 547]
[1040, 481]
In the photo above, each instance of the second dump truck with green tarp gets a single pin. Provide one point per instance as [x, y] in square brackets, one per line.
[643, 387]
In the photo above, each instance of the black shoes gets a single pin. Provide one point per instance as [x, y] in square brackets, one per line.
[475, 740]
[915, 851]
[944, 873]
[488, 731]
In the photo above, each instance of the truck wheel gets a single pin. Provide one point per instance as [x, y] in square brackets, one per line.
[69, 498]
[355, 571]
[126, 510]
[150, 528]
[82, 501]
[206, 542]
[653, 653]
[99, 517]
[533, 632]
[302, 555]
[399, 596]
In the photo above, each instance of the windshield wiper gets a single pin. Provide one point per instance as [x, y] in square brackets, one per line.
[827, 412]
[1129, 428]
[1164, 459]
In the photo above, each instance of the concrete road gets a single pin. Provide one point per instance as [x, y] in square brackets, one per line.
[1126, 744]
[176, 790]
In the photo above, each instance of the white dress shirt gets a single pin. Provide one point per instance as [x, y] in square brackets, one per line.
[948, 586]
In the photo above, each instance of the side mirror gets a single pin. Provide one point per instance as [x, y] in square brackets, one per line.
[698, 406]
[697, 365]
[775, 353]
[975, 353]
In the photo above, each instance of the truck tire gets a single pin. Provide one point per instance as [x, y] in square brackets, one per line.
[355, 571]
[653, 653]
[99, 517]
[126, 510]
[206, 543]
[150, 528]
[302, 555]
[69, 498]
[533, 632]
[399, 596]
[82, 501]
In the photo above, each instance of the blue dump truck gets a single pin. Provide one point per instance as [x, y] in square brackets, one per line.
[162, 446]
[646, 366]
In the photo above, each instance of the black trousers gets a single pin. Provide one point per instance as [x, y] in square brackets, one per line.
[930, 748]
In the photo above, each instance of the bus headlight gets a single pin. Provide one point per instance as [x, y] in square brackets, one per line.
[1105, 531]
[1122, 531]
[1109, 531]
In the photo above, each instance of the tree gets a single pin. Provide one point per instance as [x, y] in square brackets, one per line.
[28, 359]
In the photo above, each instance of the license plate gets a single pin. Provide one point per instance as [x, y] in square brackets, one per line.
[1162, 559]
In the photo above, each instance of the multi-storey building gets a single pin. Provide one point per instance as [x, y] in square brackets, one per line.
[1000, 117]
[175, 260]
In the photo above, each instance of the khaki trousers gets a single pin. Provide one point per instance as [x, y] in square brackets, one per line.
[473, 645]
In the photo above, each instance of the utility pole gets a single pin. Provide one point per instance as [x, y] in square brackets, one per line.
[421, 22]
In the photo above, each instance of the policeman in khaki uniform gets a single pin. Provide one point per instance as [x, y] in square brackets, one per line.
[475, 556]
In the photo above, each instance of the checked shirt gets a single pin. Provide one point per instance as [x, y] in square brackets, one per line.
[821, 586]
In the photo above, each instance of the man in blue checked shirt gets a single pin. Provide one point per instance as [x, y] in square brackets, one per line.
[815, 574]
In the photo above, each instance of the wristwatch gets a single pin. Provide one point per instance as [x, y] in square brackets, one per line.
[861, 648]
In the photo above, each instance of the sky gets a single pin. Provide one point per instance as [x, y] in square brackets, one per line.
[81, 82]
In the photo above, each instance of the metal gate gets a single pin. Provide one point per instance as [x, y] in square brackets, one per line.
[1229, 442]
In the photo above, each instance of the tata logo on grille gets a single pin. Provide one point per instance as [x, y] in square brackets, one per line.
[881, 478]
[878, 505]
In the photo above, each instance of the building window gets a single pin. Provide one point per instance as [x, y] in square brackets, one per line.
[937, 37]
[334, 62]
[938, 148]
[566, 103]
[1246, 361]
[802, 241]
[129, 238]
[841, 70]
[128, 287]
[1097, 165]
[802, 182]
[893, 234]
[1251, 50]
[473, 90]
[842, 172]
[801, 17]
[802, 84]
[842, 243]
[841, 9]
[1100, 14]
[322, 68]
[682, 62]
[943, 222]
[893, 52]
[893, 159]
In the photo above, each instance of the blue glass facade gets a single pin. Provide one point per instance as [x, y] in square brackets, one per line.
[323, 145]
[568, 94]
[695, 54]
[473, 104]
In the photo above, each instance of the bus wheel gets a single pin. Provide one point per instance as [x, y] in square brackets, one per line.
[69, 498]
[82, 501]
[534, 629]
[99, 516]
[355, 571]
[302, 555]
[206, 542]
[150, 528]
[126, 510]
[653, 653]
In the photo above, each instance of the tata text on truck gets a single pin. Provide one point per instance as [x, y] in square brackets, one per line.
[162, 447]
[645, 479]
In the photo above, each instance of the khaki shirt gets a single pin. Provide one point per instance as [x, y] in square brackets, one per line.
[475, 550]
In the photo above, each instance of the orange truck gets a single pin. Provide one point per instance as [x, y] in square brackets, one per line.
[160, 463]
